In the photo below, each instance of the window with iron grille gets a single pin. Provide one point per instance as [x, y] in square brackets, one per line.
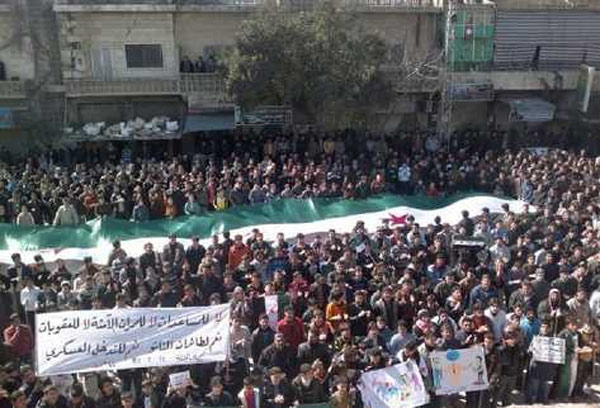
[144, 56]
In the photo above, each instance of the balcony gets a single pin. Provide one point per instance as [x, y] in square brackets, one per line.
[12, 90]
[565, 80]
[210, 86]
[373, 5]
[154, 5]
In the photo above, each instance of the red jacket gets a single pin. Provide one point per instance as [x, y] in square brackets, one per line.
[20, 338]
[293, 332]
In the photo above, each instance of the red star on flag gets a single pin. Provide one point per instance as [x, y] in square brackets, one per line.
[396, 220]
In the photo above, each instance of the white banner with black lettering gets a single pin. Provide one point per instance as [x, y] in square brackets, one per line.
[95, 340]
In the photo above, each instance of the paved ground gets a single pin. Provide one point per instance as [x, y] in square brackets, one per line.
[592, 402]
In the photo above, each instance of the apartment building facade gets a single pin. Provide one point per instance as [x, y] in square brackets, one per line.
[115, 60]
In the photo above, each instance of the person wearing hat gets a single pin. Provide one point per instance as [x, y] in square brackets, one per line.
[308, 389]
[19, 337]
[279, 393]
[218, 396]
[554, 310]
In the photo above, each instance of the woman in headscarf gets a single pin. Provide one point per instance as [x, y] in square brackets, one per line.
[553, 310]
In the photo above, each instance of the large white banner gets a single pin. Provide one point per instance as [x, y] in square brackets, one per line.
[457, 371]
[398, 386]
[548, 349]
[94, 340]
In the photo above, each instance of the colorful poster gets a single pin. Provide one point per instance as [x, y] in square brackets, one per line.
[548, 349]
[98, 340]
[398, 386]
[457, 371]
[272, 309]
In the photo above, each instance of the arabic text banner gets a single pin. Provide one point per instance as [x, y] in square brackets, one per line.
[457, 371]
[93, 340]
[400, 385]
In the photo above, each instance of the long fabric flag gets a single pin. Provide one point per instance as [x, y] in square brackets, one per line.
[97, 340]
[398, 386]
[290, 216]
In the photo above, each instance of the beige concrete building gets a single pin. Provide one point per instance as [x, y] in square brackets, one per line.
[114, 60]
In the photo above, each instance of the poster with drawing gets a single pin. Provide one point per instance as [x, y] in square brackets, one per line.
[459, 371]
[398, 386]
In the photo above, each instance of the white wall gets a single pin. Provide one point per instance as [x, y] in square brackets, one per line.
[18, 55]
[92, 32]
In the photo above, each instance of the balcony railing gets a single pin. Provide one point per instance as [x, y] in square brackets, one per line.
[397, 3]
[12, 89]
[370, 4]
[210, 86]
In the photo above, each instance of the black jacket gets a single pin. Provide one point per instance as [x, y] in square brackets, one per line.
[283, 388]
[261, 339]
[223, 400]
[311, 394]
[60, 403]
[510, 360]
[273, 357]
[114, 401]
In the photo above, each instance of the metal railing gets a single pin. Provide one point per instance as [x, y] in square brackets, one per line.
[12, 89]
[369, 4]
[209, 84]
[227, 3]
[397, 3]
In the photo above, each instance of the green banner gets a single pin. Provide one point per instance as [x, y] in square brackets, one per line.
[282, 211]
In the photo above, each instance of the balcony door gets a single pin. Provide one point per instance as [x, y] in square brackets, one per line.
[102, 64]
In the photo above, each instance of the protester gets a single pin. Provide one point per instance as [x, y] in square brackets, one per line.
[346, 303]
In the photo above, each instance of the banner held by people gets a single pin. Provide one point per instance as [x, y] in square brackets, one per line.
[548, 349]
[315, 216]
[400, 385]
[96, 340]
[457, 371]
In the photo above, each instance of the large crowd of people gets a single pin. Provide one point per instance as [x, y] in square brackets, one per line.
[349, 302]
[67, 189]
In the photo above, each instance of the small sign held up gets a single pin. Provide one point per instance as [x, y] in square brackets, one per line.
[548, 349]
[180, 379]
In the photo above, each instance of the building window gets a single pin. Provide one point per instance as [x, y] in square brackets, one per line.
[144, 56]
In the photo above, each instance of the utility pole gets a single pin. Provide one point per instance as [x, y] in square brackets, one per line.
[444, 124]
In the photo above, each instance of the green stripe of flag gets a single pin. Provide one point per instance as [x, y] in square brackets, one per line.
[282, 211]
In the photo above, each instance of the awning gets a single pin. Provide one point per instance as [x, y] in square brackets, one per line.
[204, 122]
[533, 110]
